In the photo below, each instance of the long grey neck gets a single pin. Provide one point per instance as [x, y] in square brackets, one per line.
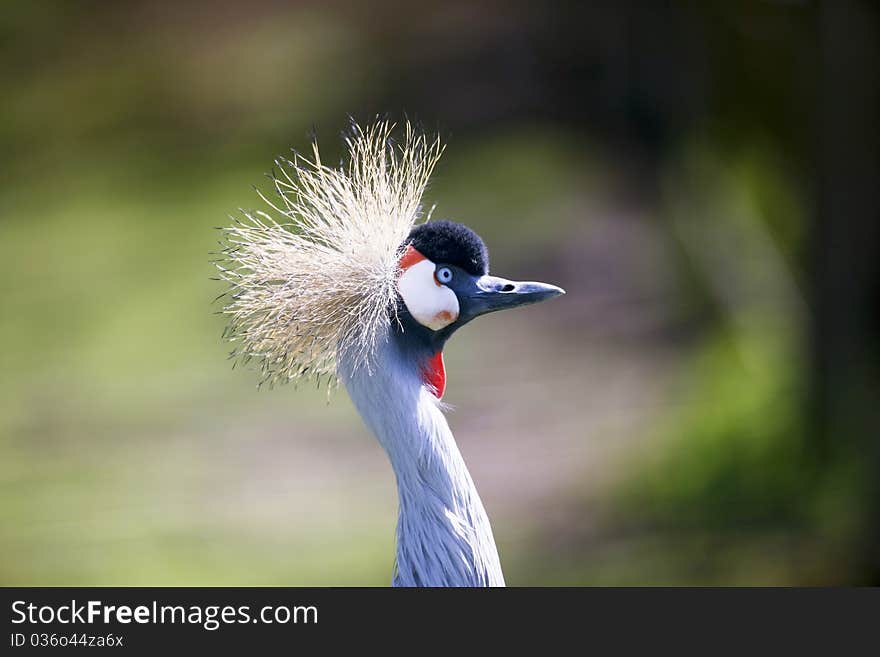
[443, 534]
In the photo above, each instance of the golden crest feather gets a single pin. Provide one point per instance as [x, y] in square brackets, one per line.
[314, 275]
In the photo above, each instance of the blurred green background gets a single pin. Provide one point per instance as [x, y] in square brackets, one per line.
[701, 408]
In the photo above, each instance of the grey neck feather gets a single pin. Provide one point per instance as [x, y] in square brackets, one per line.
[443, 534]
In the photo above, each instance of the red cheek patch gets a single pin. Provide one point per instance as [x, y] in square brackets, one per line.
[433, 370]
[410, 257]
[434, 375]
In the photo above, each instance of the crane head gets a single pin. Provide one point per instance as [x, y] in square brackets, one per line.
[338, 259]
[445, 283]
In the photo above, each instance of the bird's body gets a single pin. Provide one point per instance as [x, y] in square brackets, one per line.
[443, 533]
[349, 285]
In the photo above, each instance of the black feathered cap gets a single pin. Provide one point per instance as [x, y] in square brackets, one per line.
[446, 242]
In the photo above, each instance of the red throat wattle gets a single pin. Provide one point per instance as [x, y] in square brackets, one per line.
[434, 375]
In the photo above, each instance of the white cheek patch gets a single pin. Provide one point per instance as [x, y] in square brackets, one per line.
[431, 304]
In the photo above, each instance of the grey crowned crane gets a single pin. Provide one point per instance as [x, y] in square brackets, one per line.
[336, 279]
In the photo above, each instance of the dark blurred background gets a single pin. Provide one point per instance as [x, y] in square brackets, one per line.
[701, 408]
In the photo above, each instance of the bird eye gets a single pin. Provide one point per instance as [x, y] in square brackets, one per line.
[444, 274]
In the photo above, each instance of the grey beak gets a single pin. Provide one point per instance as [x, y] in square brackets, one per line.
[491, 293]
